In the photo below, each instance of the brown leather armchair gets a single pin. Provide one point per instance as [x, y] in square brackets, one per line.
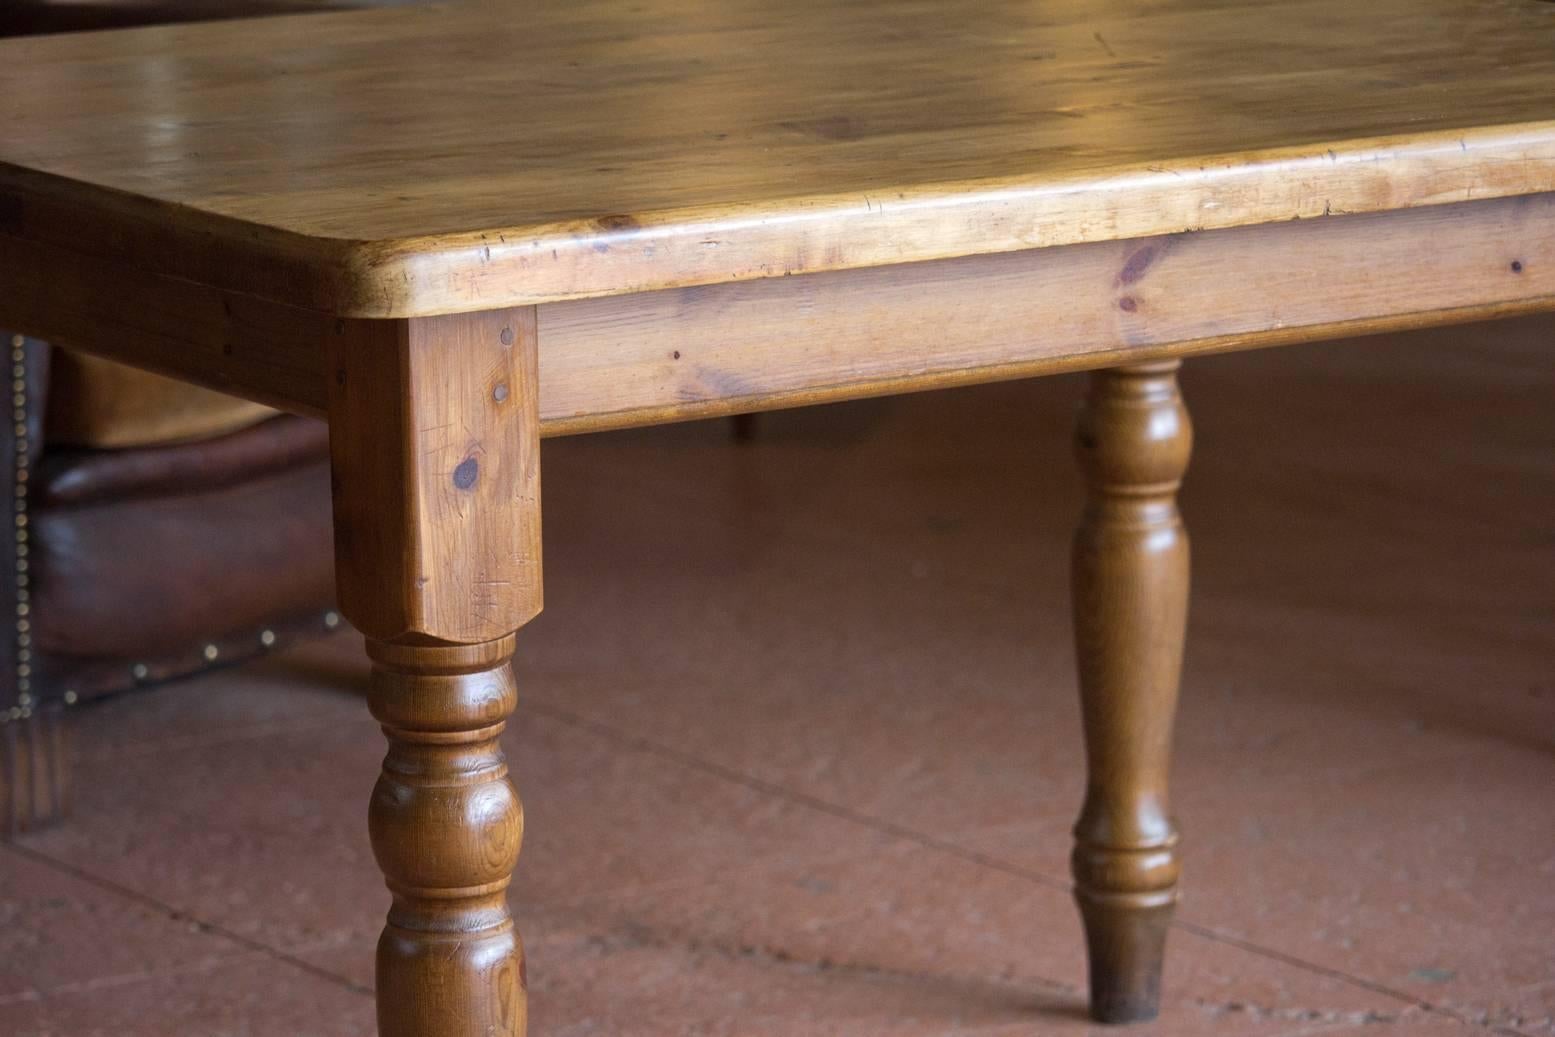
[114, 474]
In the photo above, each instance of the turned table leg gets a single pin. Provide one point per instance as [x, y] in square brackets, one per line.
[1130, 614]
[434, 447]
[446, 826]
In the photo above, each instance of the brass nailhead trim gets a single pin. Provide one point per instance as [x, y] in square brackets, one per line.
[21, 626]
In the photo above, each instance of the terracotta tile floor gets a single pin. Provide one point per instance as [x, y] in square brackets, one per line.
[799, 748]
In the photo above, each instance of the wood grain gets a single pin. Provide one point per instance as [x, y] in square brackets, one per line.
[434, 446]
[447, 826]
[427, 160]
[1130, 621]
[442, 226]
[238, 344]
[697, 352]
[690, 353]
[435, 454]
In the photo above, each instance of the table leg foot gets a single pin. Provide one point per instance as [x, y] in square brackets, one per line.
[1125, 942]
[1130, 604]
[446, 827]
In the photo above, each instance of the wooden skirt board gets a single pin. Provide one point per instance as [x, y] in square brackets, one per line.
[691, 352]
[697, 352]
[450, 230]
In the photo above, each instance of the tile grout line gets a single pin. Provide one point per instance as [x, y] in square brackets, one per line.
[891, 828]
[178, 915]
[803, 799]
[215, 739]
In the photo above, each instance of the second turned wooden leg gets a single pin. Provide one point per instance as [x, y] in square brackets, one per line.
[1130, 616]
[446, 827]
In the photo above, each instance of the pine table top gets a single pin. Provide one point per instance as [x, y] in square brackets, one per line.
[448, 158]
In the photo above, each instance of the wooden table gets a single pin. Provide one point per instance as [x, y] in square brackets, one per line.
[454, 230]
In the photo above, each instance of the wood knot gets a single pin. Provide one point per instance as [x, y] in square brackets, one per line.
[1137, 263]
[468, 471]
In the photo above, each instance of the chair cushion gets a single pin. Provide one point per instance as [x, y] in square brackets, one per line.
[151, 578]
[71, 478]
[97, 403]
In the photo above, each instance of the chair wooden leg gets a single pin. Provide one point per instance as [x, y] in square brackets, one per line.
[1130, 614]
[34, 771]
[434, 444]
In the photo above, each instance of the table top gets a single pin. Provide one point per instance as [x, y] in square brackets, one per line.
[447, 158]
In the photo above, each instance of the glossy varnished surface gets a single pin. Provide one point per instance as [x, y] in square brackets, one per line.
[468, 156]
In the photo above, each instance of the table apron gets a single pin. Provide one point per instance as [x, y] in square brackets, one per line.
[697, 352]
